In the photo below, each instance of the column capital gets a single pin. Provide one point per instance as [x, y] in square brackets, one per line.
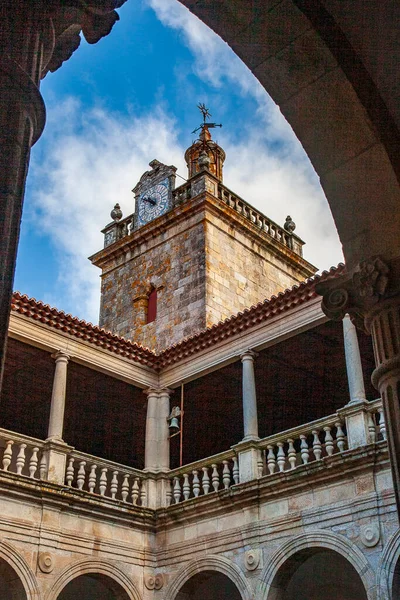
[361, 292]
[158, 391]
[61, 356]
[248, 355]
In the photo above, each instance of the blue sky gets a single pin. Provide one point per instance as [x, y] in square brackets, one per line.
[132, 97]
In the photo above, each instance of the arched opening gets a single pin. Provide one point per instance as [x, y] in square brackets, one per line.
[209, 585]
[396, 581]
[92, 586]
[11, 587]
[315, 573]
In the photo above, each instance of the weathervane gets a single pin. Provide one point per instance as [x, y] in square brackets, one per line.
[206, 115]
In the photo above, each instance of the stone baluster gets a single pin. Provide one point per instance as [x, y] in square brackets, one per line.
[33, 462]
[371, 428]
[281, 459]
[177, 490]
[20, 462]
[304, 451]
[226, 474]
[291, 454]
[382, 426]
[143, 494]
[135, 491]
[215, 477]
[329, 447]
[168, 493]
[70, 472]
[317, 446]
[43, 466]
[57, 408]
[114, 485]
[7, 456]
[186, 486]
[271, 460]
[125, 488]
[250, 420]
[340, 437]
[92, 479]
[80, 480]
[196, 483]
[235, 470]
[205, 480]
[103, 481]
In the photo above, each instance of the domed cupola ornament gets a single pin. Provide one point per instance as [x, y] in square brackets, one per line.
[205, 154]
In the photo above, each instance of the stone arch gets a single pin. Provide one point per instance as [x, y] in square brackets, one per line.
[19, 565]
[387, 565]
[219, 564]
[308, 64]
[94, 567]
[317, 539]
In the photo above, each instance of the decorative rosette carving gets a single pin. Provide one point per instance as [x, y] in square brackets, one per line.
[369, 535]
[154, 582]
[252, 559]
[45, 562]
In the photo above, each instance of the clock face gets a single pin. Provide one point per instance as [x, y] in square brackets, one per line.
[153, 202]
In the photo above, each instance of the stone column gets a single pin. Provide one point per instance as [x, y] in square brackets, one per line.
[157, 432]
[23, 34]
[57, 409]
[355, 376]
[371, 293]
[250, 419]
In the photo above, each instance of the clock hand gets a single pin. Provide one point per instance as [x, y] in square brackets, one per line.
[150, 200]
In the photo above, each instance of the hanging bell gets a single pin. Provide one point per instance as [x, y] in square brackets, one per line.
[174, 424]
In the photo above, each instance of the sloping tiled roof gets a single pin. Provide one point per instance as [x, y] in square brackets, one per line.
[81, 329]
[246, 319]
[58, 319]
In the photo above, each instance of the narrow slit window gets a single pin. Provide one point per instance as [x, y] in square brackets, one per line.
[152, 306]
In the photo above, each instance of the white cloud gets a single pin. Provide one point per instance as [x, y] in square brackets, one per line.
[93, 159]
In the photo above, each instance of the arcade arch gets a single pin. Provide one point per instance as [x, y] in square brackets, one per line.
[314, 573]
[209, 585]
[11, 587]
[92, 586]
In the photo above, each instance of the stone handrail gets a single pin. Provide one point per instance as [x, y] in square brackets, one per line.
[203, 477]
[105, 478]
[22, 455]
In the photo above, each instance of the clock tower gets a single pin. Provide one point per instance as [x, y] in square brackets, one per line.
[191, 256]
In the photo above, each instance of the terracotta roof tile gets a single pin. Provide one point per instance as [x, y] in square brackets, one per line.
[262, 311]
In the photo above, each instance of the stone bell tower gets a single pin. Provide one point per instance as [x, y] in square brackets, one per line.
[191, 256]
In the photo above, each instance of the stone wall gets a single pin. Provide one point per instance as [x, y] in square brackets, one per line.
[242, 270]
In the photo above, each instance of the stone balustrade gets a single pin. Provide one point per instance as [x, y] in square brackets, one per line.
[106, 478]
[355, 425]
[204, 477]
[22, 455]
[257, 218]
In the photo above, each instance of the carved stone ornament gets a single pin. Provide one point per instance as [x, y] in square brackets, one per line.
[154, 582]
[94, 18]
[371, 279]
[355, 293]
[252, 559]
[369, 535]
[45, 562]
